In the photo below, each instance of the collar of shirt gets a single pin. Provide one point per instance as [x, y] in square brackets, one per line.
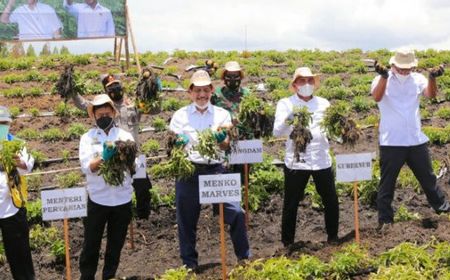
[193, 109]
[97, 6]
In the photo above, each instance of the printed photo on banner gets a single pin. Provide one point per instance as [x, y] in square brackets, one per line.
[28, 20]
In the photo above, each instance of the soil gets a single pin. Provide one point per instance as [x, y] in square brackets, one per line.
[156, 240]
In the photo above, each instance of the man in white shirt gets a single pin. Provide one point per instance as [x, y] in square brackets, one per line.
[315, 161]
[107, 205]
[35, 20]
[186, 123]
[397, 93]
[93, 19]
[13, 220]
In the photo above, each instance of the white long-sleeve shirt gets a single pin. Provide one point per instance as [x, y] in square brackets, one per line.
[189, 121]
[316, 155]
[7, 208]
[97, 22]
[91, 146]
[400, 122]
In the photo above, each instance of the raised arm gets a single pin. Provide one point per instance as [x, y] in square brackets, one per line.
[7, 11]
[431, 89]
[380, 88]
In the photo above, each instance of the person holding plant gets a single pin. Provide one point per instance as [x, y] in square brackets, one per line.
[128, 118]
[34, 19]
[187, 123]
[13, 217]
[397, 92]
[314, 160]
[108, 206]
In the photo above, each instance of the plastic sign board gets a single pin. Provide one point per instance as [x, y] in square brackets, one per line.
[354, 167]
[64, 203]
[51, 20]
[249, 151]
[141, 167]
[219, 188]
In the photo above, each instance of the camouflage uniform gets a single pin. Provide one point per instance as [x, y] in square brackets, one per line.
[228, 99]
[128, 119]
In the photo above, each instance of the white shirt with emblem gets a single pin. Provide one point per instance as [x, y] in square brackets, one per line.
[400, 122]
[188, 120]
[7, 208]
[316, 155]
[97, 22]
[91, 146]
[38, 23]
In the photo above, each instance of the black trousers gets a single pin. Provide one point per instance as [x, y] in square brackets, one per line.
[392, 158]
[116, 220]
[295, 182]
[142, 191]
[16, 241]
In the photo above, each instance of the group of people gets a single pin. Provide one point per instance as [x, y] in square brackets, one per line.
[39, 21]
[397, 92]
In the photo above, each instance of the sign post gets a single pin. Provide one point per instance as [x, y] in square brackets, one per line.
[354, 168]
[249, 151]
[64, 204]
[220, 188]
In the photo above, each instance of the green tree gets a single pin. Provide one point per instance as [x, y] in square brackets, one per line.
[30, 51]
[64, 50]
[46, 50]
[17, 50]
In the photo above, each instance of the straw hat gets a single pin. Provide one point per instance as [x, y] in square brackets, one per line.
[232, 66]
[404, 58]
[100, 100]
[200, 78]
[303, 72]
[5, 115]
[110, 79]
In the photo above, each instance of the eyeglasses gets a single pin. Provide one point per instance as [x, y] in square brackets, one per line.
[205, 89]
[303, 81]
[403, 71]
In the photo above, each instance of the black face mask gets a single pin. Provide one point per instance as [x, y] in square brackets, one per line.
[104, 122]
[115, 92]
[233, 81]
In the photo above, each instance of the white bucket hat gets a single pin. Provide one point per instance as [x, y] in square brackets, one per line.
[304, 72]
[232, 66]
[404, 58]
[5, 115]
[200, 78]
[100, 100]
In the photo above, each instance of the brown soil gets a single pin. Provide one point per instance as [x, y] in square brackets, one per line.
[156, 241]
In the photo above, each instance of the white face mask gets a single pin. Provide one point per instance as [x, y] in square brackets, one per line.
[201, 107]
[305, 90]
[402, 78]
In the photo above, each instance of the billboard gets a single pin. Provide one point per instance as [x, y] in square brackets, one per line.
[38, 20]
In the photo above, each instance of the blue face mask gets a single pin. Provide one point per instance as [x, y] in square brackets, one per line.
[4, 130]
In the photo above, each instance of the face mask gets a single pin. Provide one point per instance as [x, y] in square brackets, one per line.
[4, 130]
[201, 107]
[233, 82]
[115, 92]
[104, 122]
[306, 90]
[402, 78]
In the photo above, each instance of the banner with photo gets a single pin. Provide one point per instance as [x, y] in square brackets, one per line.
[38, 20]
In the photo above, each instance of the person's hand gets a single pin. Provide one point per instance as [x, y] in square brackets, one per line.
[182, 140]
[109, 150]
[220, 135]
[381, 69]
[437, 71]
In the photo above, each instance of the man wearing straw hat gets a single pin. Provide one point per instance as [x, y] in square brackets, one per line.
[315, 161]
[108, 205]
[128, 118]
[397, 93]
[229, 96]
[13, 219]
[186, 123]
